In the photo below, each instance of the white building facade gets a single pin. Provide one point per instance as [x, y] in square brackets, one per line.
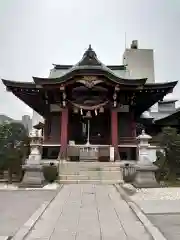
[140, 62]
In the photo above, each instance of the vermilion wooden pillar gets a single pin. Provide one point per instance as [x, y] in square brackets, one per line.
[64, 133]
[114, 132]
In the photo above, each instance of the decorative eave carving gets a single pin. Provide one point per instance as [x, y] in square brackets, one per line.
[89, 81]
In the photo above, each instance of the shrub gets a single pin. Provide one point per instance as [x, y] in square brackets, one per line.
[50, 173]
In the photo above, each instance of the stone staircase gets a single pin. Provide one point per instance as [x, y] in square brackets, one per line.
[90, 172]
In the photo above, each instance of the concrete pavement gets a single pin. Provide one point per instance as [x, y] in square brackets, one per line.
[168, 224]
[88, 211]
[162, 207]
[16, 207]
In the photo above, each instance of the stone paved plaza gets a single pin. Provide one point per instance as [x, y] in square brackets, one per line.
[16, 207]
[88, 211]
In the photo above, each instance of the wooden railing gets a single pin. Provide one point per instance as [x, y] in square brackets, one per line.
[131, 140]
[122, 140]
[51, 142]
[128, 140]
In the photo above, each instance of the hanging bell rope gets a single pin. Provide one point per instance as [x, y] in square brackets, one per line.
[90, 108]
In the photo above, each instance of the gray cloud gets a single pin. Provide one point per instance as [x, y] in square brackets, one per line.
[34, 34]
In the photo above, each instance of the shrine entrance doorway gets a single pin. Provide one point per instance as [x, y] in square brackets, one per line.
[90, 129]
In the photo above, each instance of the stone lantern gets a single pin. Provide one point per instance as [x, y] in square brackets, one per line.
[33, 176]
[143, 148]
[145, 169]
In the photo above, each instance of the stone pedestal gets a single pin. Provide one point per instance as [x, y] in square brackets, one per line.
[145, 177]
[33, 176]
[145, 169]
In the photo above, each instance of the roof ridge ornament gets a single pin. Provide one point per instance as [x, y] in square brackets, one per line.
[90, 51]
[89, 58]
[90, 47]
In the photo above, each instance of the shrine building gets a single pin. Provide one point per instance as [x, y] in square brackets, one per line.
[89, 108]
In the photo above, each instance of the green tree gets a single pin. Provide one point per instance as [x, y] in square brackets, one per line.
[169, 139]
[14, 144]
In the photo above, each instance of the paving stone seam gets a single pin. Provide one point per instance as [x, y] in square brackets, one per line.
[120, 222]
[55, 225]
[23, 231]
[98, 216]
[154, 232]
[79, 215]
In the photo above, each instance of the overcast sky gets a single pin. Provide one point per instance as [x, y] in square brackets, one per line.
[36, 33]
